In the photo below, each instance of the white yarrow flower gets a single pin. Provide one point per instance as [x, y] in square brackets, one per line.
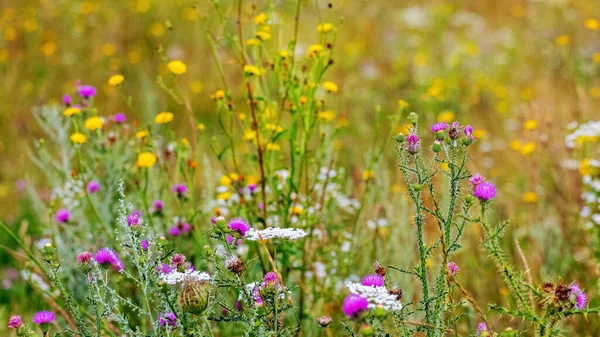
[275, 233]
[376, 296]
[175, 277]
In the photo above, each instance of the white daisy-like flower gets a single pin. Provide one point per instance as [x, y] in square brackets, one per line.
[275, 233]
[376, 296]
[175, 277]
[587, 130]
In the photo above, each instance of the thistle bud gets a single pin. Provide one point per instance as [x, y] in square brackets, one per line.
[437, 146]
[413, 118]
[193, 298]
[417, 187]
[400, 137]
[380, 311]
[367, 330]
[469, 199]
[48, 252]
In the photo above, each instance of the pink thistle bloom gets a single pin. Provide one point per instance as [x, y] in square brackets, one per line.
[63, 215]
[580, 296]
[354, 305]
[84, 257]
[373, 280]
[180, 189]
[67, 100]
[93, 186]
[120, 118]
[144, 245]
[86, 91]
[481, 328]
[43, 317]
[452, 268]
[167, 319]
[15, 322]
[239, 226]
[437, 127]
[412, 143]
[107, 256]
[476, 179]
[485, 191]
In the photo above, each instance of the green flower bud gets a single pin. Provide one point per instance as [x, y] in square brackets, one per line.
[417, 187]
[437, 146]
[367, 330]
[380, 312]
[413, 118]
[469, 199]
[400, 138]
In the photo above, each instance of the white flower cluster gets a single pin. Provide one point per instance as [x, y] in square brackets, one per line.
[69, 193]
[591, 196]
[275, 233]
[587, 130]
[376, 296]
[175, 277]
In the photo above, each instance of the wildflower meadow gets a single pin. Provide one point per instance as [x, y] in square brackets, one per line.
[300, 168]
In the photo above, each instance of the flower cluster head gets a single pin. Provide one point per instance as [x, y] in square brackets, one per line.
[180, 190]
[354, 305]
[63, 215]
[108, 257]
[133, 219]
[373, 280]
[93, 186]
[452, 268]
[482, 190]
[578, 296]
[157, 207]
[412, 143]
[167, 319]
[15, 322]
[239, 227]
[86, 91]
[43, 317]
[439, 127]
[271, 233]
[481, 328]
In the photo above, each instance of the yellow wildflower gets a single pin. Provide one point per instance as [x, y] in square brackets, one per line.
[327, 115]
[260, 19]
[297, 210]
[530, 197]
[201, 127]
[196, 87]
[219, 94]
[284, 54]
[531, 124]
[274, 127]
[242, 116]
[115, 80]
[141, 134]
[592, 24]
[163, 117]
[585, 167]
[402, 103]
[249, 135]
[444, 166]
[273, 147]
[146, 159]
[264, 36]
[177, 67]
[479, 134]
[253, 42]
[251, 70]
[315, 50]
[78, 138]
[368, 174]
[528, 148]
[225, 180]
[596, 57]
[70, 111]
[224, 196]
[93, 123]
[446, 116]
[330, 86]
[595, 92]
[515, 145]
[325, 27]
[562, 40]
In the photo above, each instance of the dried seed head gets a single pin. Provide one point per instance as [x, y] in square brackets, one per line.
[396, 292]
[235, 265]
[562, 293]
[193, 298]
[548, 287]
[379, 270]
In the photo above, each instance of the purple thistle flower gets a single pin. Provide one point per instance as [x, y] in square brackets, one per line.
[256, 296]
[184, 227]
[63, 215]
[164, 269]
[412, 143]
[354, 305]
[93, 186]
[158, 206]
[180, 189]
[230, 239]
[452, 268]
[481, 327]
[177, 259]
[43, 317]
[15, 322]
[468, 131]
[238, 306]
[86, 91]
[437, 127]
[174, 231]
[580, 296]
[67, 100]
[485, 191]
[107, 256]
[84, 257]
[270, 279]
[373, 280]
[120, 118]
[167, 319]
[133, 218]
[239, 226]
[144, 245]
[252, 188]
[476, 179]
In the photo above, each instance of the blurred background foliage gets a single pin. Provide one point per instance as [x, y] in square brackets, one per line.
[518, 71]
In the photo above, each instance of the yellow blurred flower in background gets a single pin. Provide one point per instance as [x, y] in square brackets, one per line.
[528, 148]
[530, 197]
[146, 159]
[177, 67]
[78, 138]
[330, 86]
[70, 111]
[93, 123]
[325, 27]
[115, 80]
[592, 24]
[562, 40]
[141, 134]
[251, 70]
[446, 116]
[531, 124]
[163, 117]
